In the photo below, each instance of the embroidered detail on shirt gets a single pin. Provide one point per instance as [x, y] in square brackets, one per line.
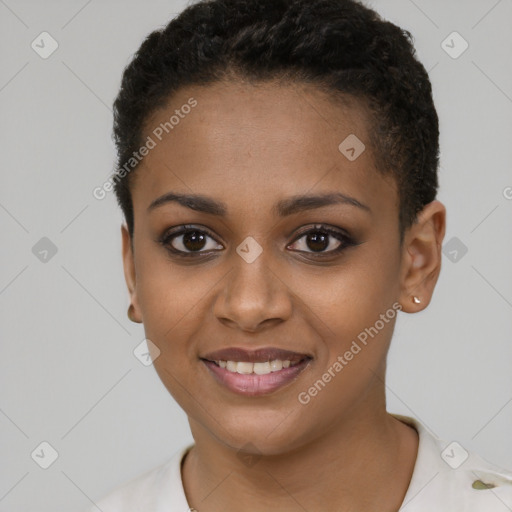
[478, 484]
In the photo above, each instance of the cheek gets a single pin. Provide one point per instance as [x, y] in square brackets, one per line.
[353, 358]
[172, 301]
[344, 301]
[354, 311]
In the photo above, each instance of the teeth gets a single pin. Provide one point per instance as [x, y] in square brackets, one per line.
[257, 368]
[276, 365]
[262, 368]
[244, 367]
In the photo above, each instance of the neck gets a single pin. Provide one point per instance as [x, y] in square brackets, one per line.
[363, 462]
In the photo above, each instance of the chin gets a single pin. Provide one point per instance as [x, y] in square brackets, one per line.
[258, 433]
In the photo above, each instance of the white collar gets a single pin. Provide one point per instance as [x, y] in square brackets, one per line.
[435, 485]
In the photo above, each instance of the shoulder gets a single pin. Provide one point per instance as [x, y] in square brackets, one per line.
[447, 476]
[158, 489]
[474, 486]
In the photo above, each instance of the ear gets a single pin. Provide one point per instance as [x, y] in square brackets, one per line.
[421, 257]
[129, 275]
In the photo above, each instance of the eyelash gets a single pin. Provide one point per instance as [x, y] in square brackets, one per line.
[168, 236]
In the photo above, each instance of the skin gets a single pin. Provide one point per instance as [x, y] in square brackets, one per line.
[250, 146]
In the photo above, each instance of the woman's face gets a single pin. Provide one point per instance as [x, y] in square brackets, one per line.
[248, 275]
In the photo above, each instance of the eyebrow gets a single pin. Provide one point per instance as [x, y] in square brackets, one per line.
[283, 208]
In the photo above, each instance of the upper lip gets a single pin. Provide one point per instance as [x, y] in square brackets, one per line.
[260, 355]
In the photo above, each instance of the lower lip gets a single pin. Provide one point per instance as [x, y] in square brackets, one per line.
[252, 384]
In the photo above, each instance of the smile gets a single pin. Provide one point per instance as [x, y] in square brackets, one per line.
[257, 368]
[259, 378]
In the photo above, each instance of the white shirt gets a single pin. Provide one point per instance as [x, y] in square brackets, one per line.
[446, 477]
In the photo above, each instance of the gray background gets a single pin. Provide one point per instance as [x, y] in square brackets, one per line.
[68, 372]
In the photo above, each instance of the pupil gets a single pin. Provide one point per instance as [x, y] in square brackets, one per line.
[318, 241]
[194, 239]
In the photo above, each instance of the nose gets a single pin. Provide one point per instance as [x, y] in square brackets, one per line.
[253, 297]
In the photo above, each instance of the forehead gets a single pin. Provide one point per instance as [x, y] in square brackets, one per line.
[244, 141]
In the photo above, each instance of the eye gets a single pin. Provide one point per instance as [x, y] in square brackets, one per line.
[189, 241]
[192, 241]
[322, 239]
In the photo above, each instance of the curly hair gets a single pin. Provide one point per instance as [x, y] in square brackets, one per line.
[341, 46]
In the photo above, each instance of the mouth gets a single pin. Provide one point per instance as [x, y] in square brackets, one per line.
[258, 368]
[256, 378]
[260, 355]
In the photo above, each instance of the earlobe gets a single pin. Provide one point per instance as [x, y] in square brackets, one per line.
[421, 261]
[130, 275]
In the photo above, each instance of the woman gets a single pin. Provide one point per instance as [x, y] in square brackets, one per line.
[277, 173]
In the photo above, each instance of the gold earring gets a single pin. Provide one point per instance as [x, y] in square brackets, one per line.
[415, 299]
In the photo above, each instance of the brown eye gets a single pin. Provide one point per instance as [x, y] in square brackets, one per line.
[322, 239]
[189, 240]
[317, 241]
[194, 240]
